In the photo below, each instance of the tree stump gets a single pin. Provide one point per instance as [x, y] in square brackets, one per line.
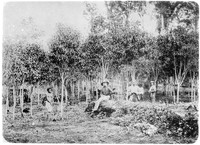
[106, 108]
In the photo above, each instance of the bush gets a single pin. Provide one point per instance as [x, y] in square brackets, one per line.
[167, 122]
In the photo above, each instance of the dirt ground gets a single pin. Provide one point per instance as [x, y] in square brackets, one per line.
[77, 127]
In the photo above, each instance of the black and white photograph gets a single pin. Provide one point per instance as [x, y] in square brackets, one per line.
[100, 72]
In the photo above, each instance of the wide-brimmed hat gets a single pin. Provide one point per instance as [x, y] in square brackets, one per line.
[105, 81]
[49, 89]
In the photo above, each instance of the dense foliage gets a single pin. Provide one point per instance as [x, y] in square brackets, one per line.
[166, 121]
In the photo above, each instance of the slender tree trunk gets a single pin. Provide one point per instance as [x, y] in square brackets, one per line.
[21, 98]
[193, 87]
[164, 88]
[14, 100]
[96, 93]
[174, 94]
[84, 91]
[121, 88]
[57, 94]
[88, 91]
[62, 93]
[87, 96]
[72, 87]
[194, 90]
[127, 91]
[162, 22]
[38, 94]
[178, 92]
[191, 92]
[172, 89]
[31, 97]
[78, 89]
[133, 74]
[66, 96]
[91, 88]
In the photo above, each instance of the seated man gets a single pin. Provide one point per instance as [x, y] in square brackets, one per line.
[133, 92]
[105, 93]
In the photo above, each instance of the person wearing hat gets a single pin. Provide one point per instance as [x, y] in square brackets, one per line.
[48, 99]
[152, 91]
[105, 94]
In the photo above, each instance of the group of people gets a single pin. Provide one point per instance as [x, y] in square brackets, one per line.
[137, 92]
[134, 92]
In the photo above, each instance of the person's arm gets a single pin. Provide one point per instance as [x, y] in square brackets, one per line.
[109, 91]
[101, 91]
[150, 89]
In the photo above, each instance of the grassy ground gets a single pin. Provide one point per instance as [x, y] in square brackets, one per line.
[77, 127]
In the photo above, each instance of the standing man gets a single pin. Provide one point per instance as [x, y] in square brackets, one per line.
[152, 91]
[105, 94]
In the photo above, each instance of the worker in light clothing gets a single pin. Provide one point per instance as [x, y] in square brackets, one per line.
[140, 92]
[133, 92]
[152, 91]
[47, 102]
[105, 94]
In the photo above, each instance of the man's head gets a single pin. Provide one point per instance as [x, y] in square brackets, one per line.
[152, 82]
[105, 83]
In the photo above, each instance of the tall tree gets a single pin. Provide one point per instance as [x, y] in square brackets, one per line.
[64, 54]
[179, 50]
[12, 68]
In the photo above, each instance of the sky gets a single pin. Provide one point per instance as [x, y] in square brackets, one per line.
[47, 14]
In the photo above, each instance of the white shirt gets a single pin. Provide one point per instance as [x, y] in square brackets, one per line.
[152, 89]
[135, 89]
[140, 90]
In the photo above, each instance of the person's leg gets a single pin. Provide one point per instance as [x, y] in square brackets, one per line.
[96, 106]
[106, 98]
[139, 97]
[97, 103]
[153, 97]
